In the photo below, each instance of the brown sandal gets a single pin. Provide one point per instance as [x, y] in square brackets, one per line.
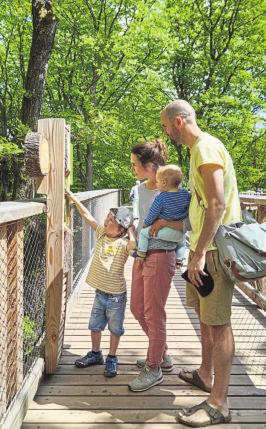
[214, 415]
[195, 380]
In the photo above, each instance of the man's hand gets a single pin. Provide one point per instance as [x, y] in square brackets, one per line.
[195, 268]
[158, 224]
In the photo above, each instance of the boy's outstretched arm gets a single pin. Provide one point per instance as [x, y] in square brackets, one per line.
[132, 244]
[86, 215]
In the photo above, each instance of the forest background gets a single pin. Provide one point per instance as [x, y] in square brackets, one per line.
[109, 66]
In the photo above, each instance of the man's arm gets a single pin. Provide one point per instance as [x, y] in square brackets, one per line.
[86, 215]
[214, 191]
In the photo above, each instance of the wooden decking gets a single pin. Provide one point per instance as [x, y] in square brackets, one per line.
[83, 399]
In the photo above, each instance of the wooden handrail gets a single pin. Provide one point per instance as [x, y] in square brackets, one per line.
[16, 210]
[255, 201]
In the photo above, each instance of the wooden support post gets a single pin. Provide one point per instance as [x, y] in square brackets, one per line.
[3, 320]
[14, 308]
[54, 131]
[68, 239]
[261, 214]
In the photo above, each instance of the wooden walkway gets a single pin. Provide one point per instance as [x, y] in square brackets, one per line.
[83, 399]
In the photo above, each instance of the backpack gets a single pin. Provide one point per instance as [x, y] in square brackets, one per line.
[242, 250]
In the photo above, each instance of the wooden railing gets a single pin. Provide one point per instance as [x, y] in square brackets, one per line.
[19, 381]
[256, 204]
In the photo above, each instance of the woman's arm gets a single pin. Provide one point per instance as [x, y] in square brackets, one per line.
[132, 244]
[161, 223]
[86, 215]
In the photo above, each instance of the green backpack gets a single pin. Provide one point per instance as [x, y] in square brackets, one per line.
[242, 250]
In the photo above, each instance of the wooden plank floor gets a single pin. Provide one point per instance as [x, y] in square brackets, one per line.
[84, 399]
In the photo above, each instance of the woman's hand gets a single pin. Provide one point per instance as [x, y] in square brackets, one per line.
[156, 226]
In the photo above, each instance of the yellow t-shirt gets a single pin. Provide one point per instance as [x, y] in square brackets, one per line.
[106, 271]
[209, 150]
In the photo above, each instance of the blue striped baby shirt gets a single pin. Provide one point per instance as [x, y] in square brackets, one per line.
[169, 206]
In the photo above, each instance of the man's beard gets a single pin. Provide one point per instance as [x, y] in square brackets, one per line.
[176, 138]
[175, 143]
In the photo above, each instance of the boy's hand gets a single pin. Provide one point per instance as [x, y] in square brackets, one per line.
[69, 194]
[131, 229]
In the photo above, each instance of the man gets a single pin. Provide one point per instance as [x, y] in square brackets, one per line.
[214, 201]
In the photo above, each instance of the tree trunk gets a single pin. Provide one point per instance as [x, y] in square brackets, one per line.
[89, 169]
[44, 28]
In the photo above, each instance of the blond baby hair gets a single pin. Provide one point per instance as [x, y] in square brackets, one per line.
[172, 173]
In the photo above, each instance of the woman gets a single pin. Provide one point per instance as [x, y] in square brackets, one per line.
[151, 280]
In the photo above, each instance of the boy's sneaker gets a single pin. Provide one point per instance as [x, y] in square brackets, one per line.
[166, 365]
[110, 366]
[90, 359]
[147, 378]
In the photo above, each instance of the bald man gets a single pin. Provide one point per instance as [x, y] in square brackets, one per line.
[214, 201]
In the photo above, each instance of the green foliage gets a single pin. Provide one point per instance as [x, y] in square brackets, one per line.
[29, 334]
[8, 149]
[116, 64]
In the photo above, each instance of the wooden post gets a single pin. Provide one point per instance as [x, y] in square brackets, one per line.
[14, 308]
[261, 214]
[3, 320]
[54, 131]
[68, 245]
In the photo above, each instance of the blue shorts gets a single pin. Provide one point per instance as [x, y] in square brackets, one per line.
[108, 308]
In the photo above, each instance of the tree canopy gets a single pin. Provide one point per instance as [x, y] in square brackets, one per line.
[111, 66]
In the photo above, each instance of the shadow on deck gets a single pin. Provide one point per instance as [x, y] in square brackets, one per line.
[83, 399]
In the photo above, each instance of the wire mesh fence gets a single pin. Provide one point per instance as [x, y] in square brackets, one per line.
[33, 288]
[22, 301]
[23, 286]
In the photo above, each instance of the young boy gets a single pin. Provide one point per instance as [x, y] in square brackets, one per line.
[106, 275]
[171, 204]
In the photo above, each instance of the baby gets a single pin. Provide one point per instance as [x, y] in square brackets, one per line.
[171, 204]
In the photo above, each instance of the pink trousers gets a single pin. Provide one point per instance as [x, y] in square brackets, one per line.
[151, 282]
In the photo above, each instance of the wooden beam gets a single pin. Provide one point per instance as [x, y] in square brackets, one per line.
[254, 293]
[15, 210]
[54, 131]
[37, 161]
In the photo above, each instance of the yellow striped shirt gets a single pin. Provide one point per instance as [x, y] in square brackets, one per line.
[106, 271]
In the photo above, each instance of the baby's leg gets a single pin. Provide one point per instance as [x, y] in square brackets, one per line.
[143, 242]
[180, 253]
[170, 234]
